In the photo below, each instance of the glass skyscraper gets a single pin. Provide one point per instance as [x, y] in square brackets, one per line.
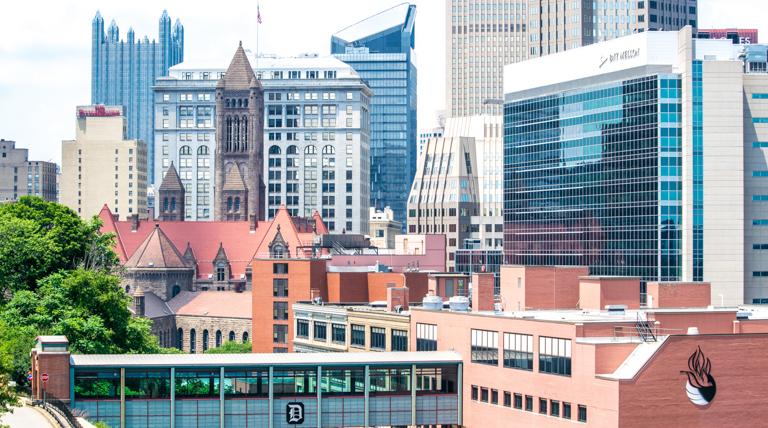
[380, 49]
[124, 71]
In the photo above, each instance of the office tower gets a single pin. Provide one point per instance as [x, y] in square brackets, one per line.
[239, 157]
[317, 131]
[100, 167]
[20, 176]
[380, 49]
[641, 156]
[485, 35]
[124, 71]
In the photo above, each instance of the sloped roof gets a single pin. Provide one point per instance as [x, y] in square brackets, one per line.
[157, 251]
[382, 21]
[239, 74]
[225, 304]
[171, 181]
[234, 179]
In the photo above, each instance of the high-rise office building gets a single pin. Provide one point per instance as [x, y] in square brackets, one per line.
[124, 71]
[641, 156]
[485, 35]
[316, 137]
[20, 176]
[101, 167]
[380, 49]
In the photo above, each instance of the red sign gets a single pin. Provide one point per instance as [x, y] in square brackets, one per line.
[44, 377]
[98, 111]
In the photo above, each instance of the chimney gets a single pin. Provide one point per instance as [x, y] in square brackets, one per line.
[134, 222]
[397, 299]
[138, 302]
[253, 223]
[482, 292]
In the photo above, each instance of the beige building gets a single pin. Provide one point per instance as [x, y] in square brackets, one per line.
[20, 176]
[485, 35]
[384, 228]
[101, 167]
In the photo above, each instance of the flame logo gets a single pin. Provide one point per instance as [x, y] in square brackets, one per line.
[701, 386]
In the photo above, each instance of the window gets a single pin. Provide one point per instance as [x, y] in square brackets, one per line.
[231, 336]
[474, 392]
[279, 333]
[485, 347]
[338, 333]
[218, 338]
[518, 401]
[302, 329]
[280, 287]
[241, 383]
[280, 311]
[358, 336]
[197, 383]
[518, 351]
[280, 268]
[205, 340]
[378, 338]
[543, 406]
[554, 408]
[399, 340]
[147, 384]
[294, 382]
[566, 410]
[582, 413]
[494, 396]
[221, 273]
[484, 395]
[528, 403]
[320, 331]
[192, 341]
[554, 355]
[507, 399]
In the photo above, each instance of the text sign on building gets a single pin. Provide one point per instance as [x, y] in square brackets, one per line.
[294, 413]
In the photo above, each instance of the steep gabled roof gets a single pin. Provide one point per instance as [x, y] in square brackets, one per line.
[157, 251]
[108, 225]
[234, 180]
[240, 73]
[171, 181]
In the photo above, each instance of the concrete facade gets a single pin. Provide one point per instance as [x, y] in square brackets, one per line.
[21, 177]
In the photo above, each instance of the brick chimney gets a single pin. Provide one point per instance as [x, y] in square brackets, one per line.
[253, 223]
[482, 292]
[134, 222]
[397, 296]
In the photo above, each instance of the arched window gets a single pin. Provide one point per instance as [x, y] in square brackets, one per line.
[185, 150]
[221, 272]
[226, 102]
[329, 150]
[176, 290]
[310, 150]
[203, 150]
[165, 204]
[245, 102]
[205, 340]
[127, 289]
[180, 339]
[231, 336]
[228, 133]
[244, 146]
[173, 204]
[274, 150]
[236, 137]
[292, 150]
[278, 251]
[192, 341]
[245, 336]
[239, 102]
[229, 203]
[218, 338]
[237, 204]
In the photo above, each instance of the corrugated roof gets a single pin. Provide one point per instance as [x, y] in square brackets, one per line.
[288, 359]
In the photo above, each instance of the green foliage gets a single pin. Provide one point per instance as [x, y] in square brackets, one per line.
[8, 397]
[100, 424]
[15, 343]
[232, 347]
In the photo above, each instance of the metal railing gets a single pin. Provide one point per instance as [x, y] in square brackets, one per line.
[59, 411]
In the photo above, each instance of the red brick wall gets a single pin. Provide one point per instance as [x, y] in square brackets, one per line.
[608, 357]
[708, 323]
[596, 293]
[657, 397]
[379, 281]
[542, 287]
[56, 365]
[347, 287]
[482, 292]
[417, 285]
[680, 294]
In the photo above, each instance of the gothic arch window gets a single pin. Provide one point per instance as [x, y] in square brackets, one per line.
[176, 291]
[236, 137]
[173, 204]
[205, 340]
[310, 150]
[202, 150]
[180, 339]
[245, 131]
[278, 251]
[245, 102]
[165, 204]
[231, 336]
[226, 102]
[237, 204]
[229, 203]
[228, 132]
[328, 150]
[245, 336]
[292, 150]
[274, 150]
[221, 272]
[185, 150]
[192, 341]
[218, 338]
[239, 102]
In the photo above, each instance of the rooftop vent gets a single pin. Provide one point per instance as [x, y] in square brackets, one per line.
[432, 303]
[616, 309]
[459, 303]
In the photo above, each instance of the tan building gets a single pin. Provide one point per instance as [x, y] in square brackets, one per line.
[101, 167]
[485, 35]
[384, 228]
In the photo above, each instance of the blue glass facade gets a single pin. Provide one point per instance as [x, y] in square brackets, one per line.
[383, 58]
[123, 72]
[698, 174]
[592, 176]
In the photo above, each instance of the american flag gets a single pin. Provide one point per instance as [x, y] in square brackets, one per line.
[258, 14]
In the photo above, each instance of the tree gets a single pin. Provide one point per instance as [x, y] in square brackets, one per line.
[8, 397]
[232, 347]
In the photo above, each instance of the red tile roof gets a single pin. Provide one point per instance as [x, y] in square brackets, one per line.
[157, 251]
[241, 245]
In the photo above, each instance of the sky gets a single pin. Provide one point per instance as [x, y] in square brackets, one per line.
[45, 48]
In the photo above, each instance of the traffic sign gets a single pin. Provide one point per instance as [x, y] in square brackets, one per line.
[29, 375]
[44, 377]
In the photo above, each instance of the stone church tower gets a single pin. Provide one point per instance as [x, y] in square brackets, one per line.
[239, 185]
[170, 197]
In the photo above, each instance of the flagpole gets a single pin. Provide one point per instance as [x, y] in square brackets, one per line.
[258, 24]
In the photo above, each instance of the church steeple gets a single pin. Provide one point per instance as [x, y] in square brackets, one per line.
[170, 197]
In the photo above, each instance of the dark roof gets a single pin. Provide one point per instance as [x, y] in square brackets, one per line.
[234, 179]
[157, 251]
[171, 181]
[240, 73]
